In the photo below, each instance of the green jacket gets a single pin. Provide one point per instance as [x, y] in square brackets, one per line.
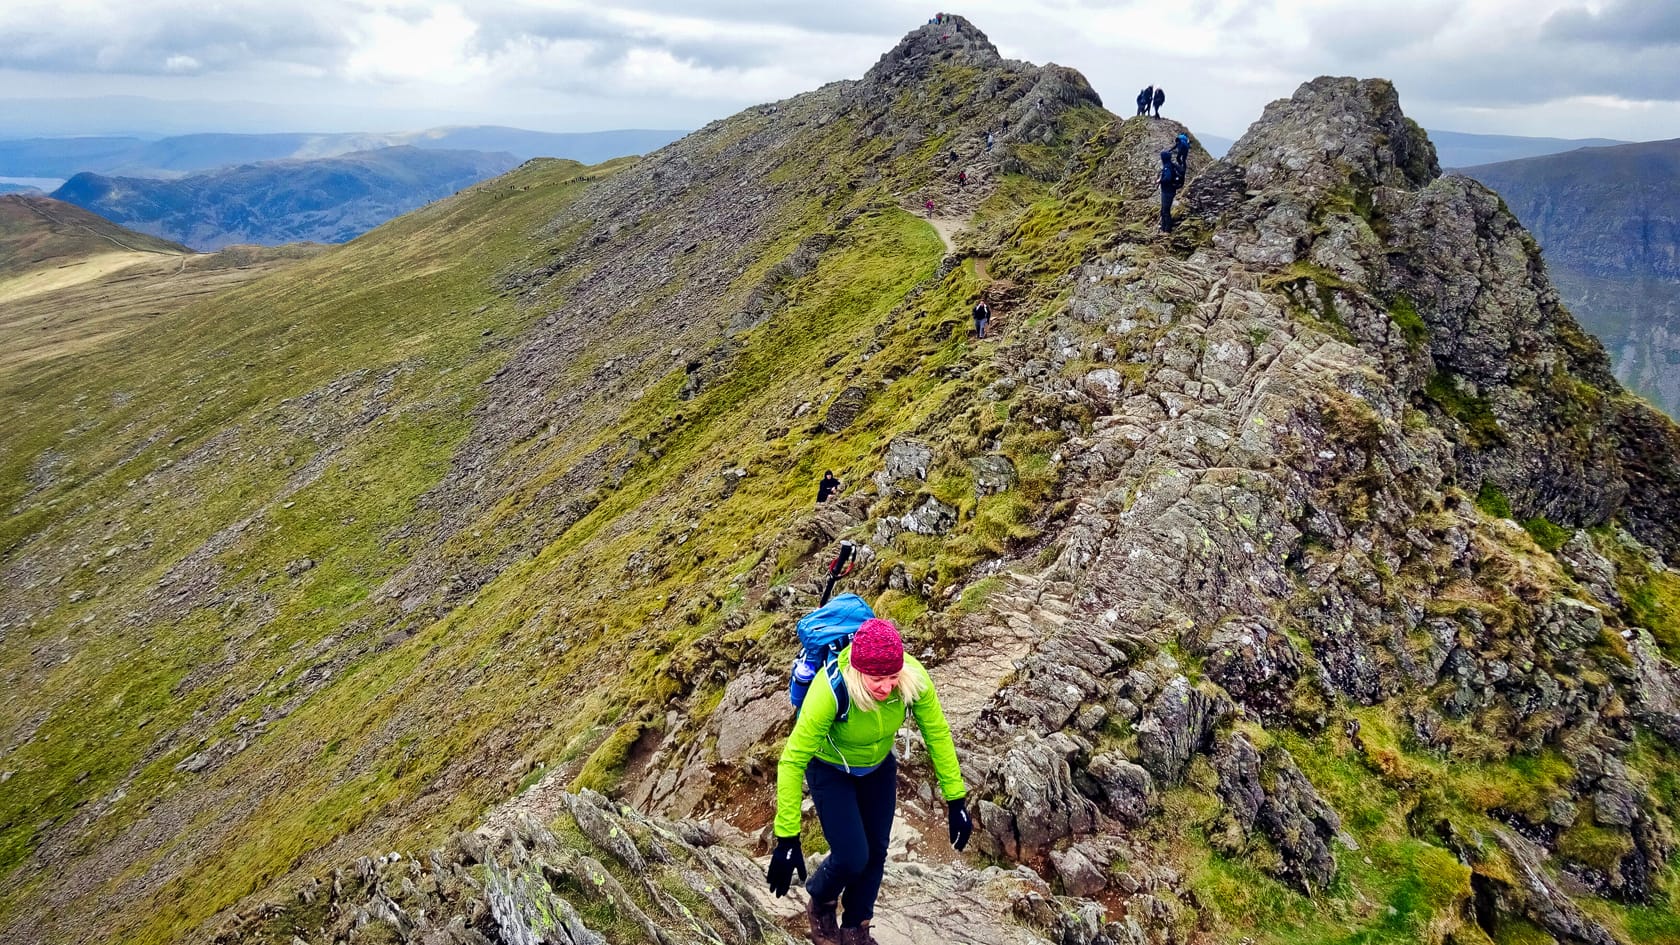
[862, 740]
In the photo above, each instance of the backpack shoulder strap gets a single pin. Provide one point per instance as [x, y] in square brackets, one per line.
[837, 685]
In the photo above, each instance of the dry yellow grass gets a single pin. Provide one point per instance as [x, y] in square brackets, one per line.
[50, 312]
[75, 272]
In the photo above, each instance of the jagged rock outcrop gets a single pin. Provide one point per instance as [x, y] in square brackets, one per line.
[604, 873]
[1270, 795]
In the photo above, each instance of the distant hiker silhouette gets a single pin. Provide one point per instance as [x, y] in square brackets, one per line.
[1171, 179]
[1144, 98]
[1181, 153]
[829, 486]
[982, 318]
[962, 179]
[842, 747]
[929, 205]
[1160, 96]
[990, 140]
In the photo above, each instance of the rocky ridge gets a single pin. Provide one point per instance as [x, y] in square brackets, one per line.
[1311, 553]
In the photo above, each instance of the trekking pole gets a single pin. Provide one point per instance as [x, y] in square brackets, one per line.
[837, 568]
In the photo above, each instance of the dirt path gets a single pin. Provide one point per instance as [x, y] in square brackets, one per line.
[948, 228]
[82, 226]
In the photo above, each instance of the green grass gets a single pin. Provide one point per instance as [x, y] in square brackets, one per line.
[1545, 534]
[1492, 501]
[408, 302]
[1412, 327]
[1474, 413]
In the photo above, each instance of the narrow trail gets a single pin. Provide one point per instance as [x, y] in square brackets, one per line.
[104, 236]
[948, 228]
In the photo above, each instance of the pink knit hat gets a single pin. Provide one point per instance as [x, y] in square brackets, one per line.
[877, 649]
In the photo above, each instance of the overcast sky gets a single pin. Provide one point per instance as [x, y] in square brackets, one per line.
[1560, 68]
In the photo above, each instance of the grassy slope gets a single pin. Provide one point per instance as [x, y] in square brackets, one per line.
[37, 231]
[469, 678]
[416, 294]
[568, 656]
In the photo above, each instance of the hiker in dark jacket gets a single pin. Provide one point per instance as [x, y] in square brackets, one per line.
[1181, 153]
[1160, 96]
[1144, 98]
[829, 486]
[1170, 179]
[982, 317]
[853, 775]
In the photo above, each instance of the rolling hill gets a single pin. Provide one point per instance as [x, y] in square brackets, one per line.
[71, 280]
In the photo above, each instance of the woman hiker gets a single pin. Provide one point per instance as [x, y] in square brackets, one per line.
[853, 776]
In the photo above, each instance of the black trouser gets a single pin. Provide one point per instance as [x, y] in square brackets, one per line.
[857, 817]
[1167, 194]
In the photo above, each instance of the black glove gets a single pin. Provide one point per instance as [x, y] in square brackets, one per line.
[962, 825]
[783, 862]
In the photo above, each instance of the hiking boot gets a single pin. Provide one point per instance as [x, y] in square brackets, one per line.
[857, 935]
[825, 928]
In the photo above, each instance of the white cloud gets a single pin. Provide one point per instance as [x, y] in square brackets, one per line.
[435, 49]
[1490, 65]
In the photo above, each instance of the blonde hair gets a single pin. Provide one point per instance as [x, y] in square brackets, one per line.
[912, 680]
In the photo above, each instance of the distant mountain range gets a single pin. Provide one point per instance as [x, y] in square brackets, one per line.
[1609, 222]
[175, 156]
[133, 156]
[1460, 149]
[330, 200]
[1457, 149]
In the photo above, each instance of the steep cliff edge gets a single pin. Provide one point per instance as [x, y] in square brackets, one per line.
[1300, 576]
[1610, 224]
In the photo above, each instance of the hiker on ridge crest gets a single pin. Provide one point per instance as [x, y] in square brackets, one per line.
[1171, 178]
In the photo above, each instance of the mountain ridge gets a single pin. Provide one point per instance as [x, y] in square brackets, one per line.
[36, 230]
[1464, 149]
[177, 155]
[325, 200]
[1611, 230]
[1296, 576]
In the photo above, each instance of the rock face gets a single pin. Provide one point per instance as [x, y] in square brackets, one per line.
[1609, 222]
[603, 873]
[1271, 796]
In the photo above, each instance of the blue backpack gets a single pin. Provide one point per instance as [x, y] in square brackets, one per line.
[823, 633]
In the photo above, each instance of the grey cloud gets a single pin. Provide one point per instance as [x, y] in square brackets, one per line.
[1638, 24]
[214, 38]
[1515, 68]
[858, 17]
[1380, 32]
[1530, 77]
[610, 42]
[500, 28]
